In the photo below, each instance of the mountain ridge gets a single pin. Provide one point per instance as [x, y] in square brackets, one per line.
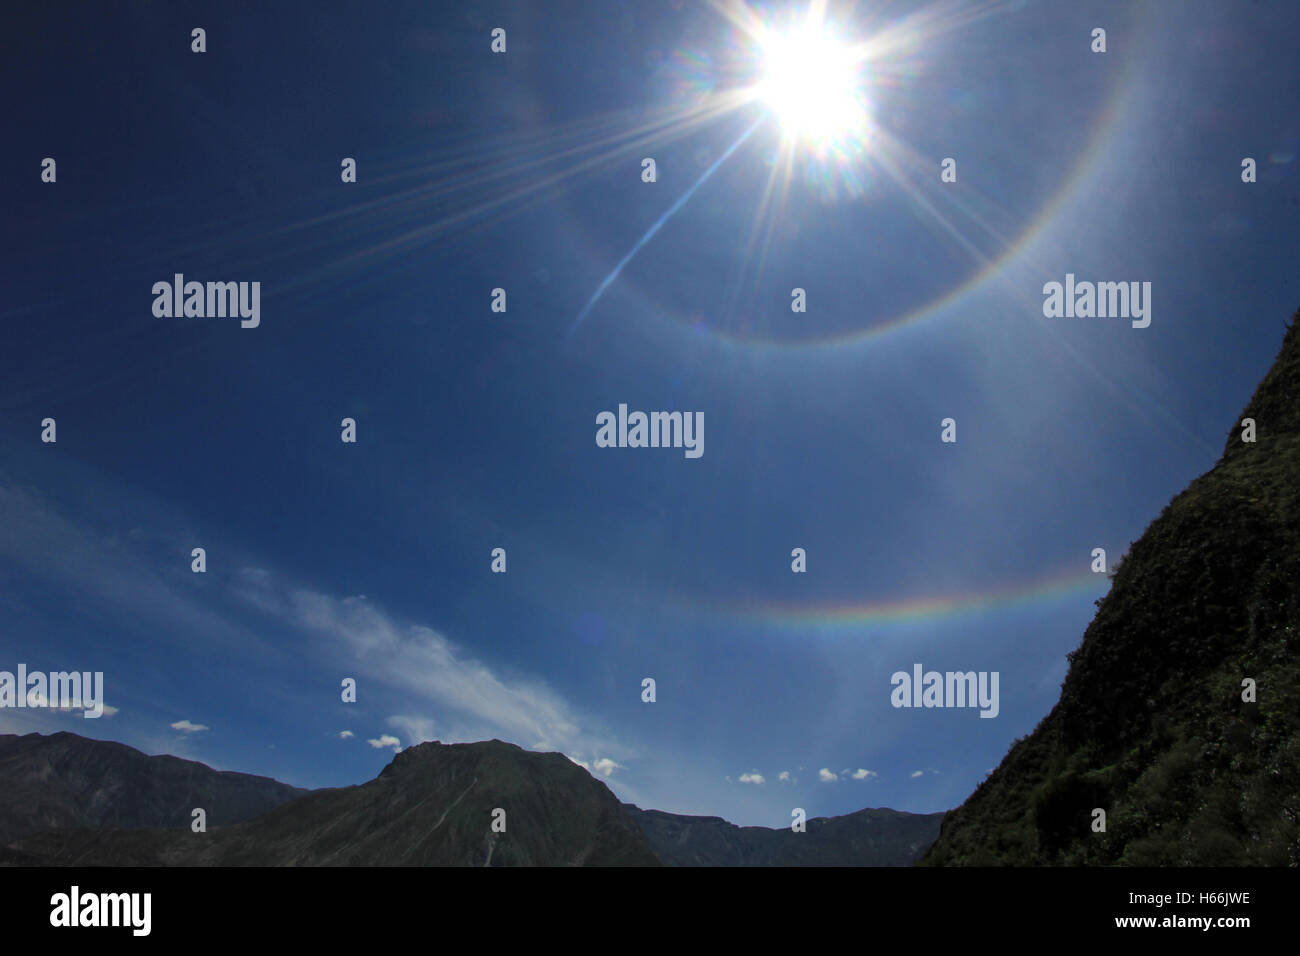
[432, 804]
[867, 837]
[66, 780]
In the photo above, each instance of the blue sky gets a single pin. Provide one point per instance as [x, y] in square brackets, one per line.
[476, 429]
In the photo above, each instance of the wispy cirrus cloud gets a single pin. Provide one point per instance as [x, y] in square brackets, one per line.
[467, 698]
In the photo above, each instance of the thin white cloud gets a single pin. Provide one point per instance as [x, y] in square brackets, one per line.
[471, 701]
[826, 776]
[753, 777]
[345, 734]
[783, 775]
[46, 720]
[385, 740]
[36, 536]
[37, 699]
[188, 727]
[417, 730]
[861, 774]
[918, 773]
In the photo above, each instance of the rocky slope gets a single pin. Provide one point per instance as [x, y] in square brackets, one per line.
[1152, 726]
[63, 780]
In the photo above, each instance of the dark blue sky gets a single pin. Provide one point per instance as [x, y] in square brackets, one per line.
[476, 429]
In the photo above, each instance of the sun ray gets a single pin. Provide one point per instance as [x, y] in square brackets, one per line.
[659, 223]
[759, 226]
[479, 201]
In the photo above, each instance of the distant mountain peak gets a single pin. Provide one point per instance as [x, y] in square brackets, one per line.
[433, 804]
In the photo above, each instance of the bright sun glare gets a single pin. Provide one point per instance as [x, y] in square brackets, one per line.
[811, 82]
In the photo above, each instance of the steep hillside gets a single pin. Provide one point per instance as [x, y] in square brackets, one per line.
[63, 780]
[1151, 726]
[864, 838]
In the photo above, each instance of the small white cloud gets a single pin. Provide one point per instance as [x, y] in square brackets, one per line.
[186, 727]
[345, 734]
[861, 774]
[385, 740]
[918, 773]
[783, 775]
[37, 699]
[753, 777]
[601, 765]
[825, 776]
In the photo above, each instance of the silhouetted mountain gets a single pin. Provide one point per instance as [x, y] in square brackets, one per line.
[63, 780]
[434, 804]
[864, 838]
[1151, 726]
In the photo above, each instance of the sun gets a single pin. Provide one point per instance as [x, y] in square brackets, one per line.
[811, 81]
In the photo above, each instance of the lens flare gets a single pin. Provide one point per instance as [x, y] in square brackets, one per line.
[811, 82]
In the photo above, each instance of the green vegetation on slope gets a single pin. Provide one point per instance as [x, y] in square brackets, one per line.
[1151, 725]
